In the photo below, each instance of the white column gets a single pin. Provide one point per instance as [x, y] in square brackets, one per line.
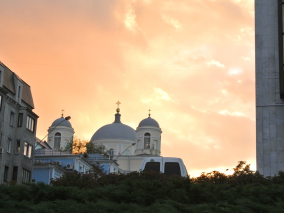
[117, 149]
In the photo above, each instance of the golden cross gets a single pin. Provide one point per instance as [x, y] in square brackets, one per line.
[149, 112]
[62, 112]
[118, 104]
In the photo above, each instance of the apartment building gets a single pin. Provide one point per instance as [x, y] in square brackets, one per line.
[17, 128]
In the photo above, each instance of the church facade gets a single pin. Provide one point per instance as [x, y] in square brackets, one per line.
[127, 146]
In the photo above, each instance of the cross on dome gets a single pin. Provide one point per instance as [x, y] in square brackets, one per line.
[118, 104]
[149, 112]
[117, 110]
[62, 112]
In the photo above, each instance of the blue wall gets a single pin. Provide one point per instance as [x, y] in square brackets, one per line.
[105, 167]
[41, 175]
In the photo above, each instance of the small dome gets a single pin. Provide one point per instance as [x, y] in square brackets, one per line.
[149, 122]
[61, 122]
[115, 131]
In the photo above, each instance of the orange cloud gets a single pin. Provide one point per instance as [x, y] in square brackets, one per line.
[174, 57]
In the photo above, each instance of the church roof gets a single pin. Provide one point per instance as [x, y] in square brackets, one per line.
[116, 130]
[61, 122]
[149, 122]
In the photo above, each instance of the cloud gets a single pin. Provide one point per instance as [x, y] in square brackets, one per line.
[226, 112]
[175, 23]
[130, 19]
[157, 97]
[246, 58]
[160, 54]
[235, 71]
[216, 63]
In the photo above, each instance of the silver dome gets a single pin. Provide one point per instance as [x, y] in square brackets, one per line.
[149, 122]
[61, 122]
[115, 131]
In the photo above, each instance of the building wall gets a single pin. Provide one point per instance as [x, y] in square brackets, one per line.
[117, 145]
[44, 173]
[130, 163]
[15, 98]
[269, 106]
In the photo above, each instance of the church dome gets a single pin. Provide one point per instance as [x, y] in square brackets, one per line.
[61, 122]
[149, 122]
[116, 130]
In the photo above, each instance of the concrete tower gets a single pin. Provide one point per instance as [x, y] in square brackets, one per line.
[269, 86]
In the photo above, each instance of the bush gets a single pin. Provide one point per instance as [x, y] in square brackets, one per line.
[244, 191]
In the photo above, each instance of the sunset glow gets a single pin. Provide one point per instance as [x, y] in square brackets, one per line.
[190, 62]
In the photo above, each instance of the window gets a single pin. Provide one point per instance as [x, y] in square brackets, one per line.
[9, 142]
[147, 138]
[19, 93]
[26, 175]
[172, 168]
[127, 152]
[18, 147]
[28, 150]
[6, 173]
[57, 140]
[15, 173]
[20, 120]
[111, 152]
[152, 166]
[30, 123]
[11, 118]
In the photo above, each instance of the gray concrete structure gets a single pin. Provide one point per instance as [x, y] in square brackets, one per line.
[269, 105]
[17, 128]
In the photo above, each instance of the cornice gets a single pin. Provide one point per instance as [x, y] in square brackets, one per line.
[4, 90]
[15, 103]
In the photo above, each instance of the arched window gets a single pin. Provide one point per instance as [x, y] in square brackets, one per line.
[147, 138]
[111, 152]
[57, 140]
[127, 152]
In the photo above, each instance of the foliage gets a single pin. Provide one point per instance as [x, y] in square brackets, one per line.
[68, 148]
[78, 179]
[243, 191]
[95, 148]
[78, 146]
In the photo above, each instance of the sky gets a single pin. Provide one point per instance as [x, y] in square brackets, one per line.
[190, 61]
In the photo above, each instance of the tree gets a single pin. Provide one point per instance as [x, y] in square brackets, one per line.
[79, 146]
[79, 179]
[94, 148]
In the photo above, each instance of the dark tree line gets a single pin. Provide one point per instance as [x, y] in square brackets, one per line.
[243, 191]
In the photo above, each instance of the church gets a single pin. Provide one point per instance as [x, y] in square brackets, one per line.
[128, 147]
